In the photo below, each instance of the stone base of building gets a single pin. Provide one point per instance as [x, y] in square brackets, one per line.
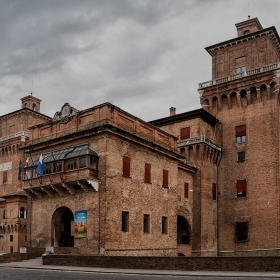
[168, 263]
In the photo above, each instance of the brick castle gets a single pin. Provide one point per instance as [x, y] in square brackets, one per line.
[199, 183]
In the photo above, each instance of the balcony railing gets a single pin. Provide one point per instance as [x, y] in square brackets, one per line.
[22, 134]
[198, 140]
[239, 75]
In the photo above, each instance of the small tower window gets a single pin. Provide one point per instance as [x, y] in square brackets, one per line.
[34, 107]
[25, 105]
[246, 32]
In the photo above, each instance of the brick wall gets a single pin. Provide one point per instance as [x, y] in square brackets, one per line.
[169, 263]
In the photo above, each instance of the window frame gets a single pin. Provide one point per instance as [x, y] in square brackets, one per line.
[241, 156]
[147, 175]
[125, 221]
[241, 232]
[240, 70]
[81, 159]
[240, 133]
[186, 190]
[241, 188]
[164, 225]
[185, 132]
[74, 164]
[5, 177]
[165, 178]
[126, 166]
[146, 223]
[214, 191]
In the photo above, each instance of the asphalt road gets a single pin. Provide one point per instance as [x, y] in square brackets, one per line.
[7, 273]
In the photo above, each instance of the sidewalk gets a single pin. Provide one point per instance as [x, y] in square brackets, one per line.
[37, 264]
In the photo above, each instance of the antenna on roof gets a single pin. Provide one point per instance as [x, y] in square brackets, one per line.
[249, 11]
[31, 87]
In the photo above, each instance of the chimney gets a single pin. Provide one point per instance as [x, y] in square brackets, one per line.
[172, 111]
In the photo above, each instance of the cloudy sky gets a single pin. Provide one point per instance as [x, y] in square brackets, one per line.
[143, 56]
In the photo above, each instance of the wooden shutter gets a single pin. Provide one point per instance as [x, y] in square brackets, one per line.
[241, 231]
[214, 191]
[241, 186]
[165, 178]
[240, 130]
[185, 132]
[126, 166]
[147, 173]
[186, 190]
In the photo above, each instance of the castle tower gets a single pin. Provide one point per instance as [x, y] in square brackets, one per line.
[31, 102]
[244, 95]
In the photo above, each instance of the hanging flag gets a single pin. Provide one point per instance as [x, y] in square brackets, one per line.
[41, 165]
[27, 160]
[20, 170]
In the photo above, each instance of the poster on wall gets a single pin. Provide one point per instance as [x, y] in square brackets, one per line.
[81, 224]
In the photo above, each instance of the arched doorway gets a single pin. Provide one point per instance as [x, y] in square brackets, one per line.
[183, 230]
[63, 223]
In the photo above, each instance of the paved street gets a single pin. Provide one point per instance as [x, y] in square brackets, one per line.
[33, 269]
[8, 273]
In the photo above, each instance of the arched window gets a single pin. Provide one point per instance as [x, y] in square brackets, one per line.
[246, 32]
[34, 107]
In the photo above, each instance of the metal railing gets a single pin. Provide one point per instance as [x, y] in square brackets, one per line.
[240, 75]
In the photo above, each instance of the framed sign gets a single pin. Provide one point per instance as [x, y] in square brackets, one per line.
[80, 224]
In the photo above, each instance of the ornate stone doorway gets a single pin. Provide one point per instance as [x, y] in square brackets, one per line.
[63, 227]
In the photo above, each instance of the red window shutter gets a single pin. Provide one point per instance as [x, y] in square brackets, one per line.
[147, 172]
[240, 130]
[186, 190]
[185, 132]
[5, 176]
[165, 179]
[241, 186]
[126, 166]
[214, 191]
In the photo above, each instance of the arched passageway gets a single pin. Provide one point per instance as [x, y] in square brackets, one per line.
[183, 230]
[63, 232]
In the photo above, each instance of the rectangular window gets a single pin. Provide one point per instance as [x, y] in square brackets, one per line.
[125, 220]
[4, 214]
[34, 173]
[164, 225]
[5, 177]
[147, 173]
[146, 223]
[241, 156]
[185, 133]
[240, 133]
[93, 162]
[82, 162]
[57, 166]
[241, 186]
[126, 166]
[214, 191]
[186, 190]
[241, 229]
[240, 69]
[11, 238]
[71, 164]
[47, 169]
[27, 174]
[165, 178]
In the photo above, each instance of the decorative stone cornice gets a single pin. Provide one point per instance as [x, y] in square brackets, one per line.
[65, 114]
[239, 40]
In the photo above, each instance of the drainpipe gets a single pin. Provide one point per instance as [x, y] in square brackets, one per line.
[218, 190]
